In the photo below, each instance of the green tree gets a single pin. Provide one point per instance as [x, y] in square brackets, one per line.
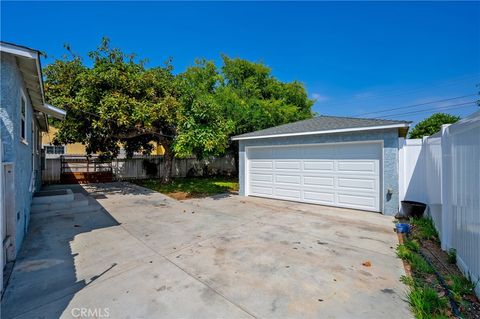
[253, 99]
[203, 129]
[432, 124]
[115, 102]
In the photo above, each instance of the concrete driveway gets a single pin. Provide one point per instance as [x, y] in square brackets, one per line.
[133, 253]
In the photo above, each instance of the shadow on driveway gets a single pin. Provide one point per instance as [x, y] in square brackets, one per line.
[45, 269]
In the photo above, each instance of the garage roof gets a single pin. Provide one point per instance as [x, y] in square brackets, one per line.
[326, 124]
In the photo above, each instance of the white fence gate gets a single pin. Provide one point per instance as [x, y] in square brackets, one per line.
[443, 171]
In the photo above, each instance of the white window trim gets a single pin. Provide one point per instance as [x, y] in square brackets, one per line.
[23, 98]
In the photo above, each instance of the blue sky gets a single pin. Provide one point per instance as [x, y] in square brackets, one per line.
[354, 58]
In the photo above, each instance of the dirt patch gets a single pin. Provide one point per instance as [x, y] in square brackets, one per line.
[179, 195]
[470, 305]
[186, 195]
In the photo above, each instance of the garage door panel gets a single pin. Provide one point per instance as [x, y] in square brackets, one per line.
[287, 193]
[290, 165]
[259, 177]
[318, 196]
[356, 200]
[261, 190]
[261, 164]
[357, 166]
[324, 166]
[318, 181]
[358, 183]
[288, 179]
[337, 175]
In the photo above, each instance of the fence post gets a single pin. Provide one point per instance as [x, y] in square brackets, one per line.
[446, 231]
[401, 172]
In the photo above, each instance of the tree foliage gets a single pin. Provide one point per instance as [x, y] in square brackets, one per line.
[432, 124]
[115, 101]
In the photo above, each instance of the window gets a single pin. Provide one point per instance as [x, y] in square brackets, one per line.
[23, 115]
[51, 149]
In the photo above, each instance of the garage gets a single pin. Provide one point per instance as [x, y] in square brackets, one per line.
[334, 161]
[343, 175]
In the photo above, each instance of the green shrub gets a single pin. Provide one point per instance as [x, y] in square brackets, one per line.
[408, 251]
[425, 228]
[452, 256]
[425, 303]
[459, 286]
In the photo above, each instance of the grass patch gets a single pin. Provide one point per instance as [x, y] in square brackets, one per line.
[408, 251]
[426, 303]
[427, 295]
[424, 300]
[425, 228]
[192, 186]
[459, 286]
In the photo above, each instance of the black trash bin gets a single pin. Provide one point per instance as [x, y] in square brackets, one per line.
[413, 209]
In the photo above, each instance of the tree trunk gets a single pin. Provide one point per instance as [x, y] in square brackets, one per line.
[167, 165]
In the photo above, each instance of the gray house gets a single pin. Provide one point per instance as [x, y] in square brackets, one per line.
[335, 161]
[23, 116]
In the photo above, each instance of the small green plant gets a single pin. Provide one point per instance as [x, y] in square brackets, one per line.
[413, 245]
[459, 286]
[407, 280]
[452, 256]
[425, 303]
[426, 228]
[408, 251]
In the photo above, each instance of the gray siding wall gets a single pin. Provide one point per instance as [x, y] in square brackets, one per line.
[14, 150]
[390, 157]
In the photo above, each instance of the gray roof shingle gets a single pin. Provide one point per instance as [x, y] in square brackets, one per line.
[320, 123]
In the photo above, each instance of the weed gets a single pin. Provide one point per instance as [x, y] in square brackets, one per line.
[412, 245]
[407, 281]
[426, 228]
[452, 256]
[425, 303]
[459, 286]
[409, 252]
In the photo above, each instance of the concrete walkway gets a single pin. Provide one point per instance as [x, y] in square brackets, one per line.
[133, 253]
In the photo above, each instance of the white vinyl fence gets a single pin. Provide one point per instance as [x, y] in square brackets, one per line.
[443, 171]
[137, 167]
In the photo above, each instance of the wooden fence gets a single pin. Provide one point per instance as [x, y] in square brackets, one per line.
[151, 167]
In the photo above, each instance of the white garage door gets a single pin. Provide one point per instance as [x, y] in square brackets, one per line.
[344, 175]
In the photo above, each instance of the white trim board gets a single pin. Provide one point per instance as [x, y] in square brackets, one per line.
[356, 129]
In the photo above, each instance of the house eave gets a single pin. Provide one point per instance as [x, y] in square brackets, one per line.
[28, 61]
[54, 111]
[356, 129]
